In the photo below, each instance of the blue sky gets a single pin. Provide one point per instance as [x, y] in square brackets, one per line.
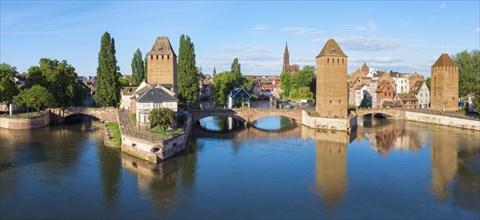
[400, 36]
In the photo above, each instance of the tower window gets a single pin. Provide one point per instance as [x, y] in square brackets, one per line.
[157, 57]
[162, 57]
[338, 60]
[330, 101]
[339, 101]
[343, 61]
[168, 57]
[328, 60]
[151, 57]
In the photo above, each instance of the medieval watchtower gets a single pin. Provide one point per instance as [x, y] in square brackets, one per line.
[332, 78]
[162, 64]
[444, 85]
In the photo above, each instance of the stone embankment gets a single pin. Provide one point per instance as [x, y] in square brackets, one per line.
[151, 147]
[16, 122]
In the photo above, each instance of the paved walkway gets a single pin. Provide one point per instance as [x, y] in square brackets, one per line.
[127, 128]
[451, 114]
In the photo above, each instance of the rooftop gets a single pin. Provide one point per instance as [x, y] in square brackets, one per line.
[162, 46]
[444, 60]
[332, 49]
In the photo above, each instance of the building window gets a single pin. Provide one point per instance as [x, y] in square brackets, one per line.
[330, 101]
[157, 57]
[162, 57]
[328, 60]
[339, 101]
[168, 57]
[151, 57]
[338, 60]
[343, 61]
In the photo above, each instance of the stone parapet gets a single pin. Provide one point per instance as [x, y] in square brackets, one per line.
[443, 120]
[25, 123]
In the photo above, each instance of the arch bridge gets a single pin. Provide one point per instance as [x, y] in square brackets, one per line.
[103, 114]
[248, 115]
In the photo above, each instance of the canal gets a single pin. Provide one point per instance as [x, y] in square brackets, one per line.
[386, 169]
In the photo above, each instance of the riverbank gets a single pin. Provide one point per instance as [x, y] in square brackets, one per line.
[25, 122]
[446, 120]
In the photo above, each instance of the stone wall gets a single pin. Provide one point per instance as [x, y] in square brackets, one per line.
[339, 124]
[443, 120]
[24, 123]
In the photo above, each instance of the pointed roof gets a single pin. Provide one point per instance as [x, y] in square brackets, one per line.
[214, 71]
[286, 48]
[365, 68]
[444, 60]
[332, 49]
[162, 46]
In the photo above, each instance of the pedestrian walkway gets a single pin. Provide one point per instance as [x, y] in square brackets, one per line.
[127, 128]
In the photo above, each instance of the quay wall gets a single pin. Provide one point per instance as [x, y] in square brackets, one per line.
[25, 123]
[337, 124]
[443, 120]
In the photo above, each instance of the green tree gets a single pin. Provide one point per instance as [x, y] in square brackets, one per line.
[108, 85]
[162, 117]
[60, 79]
[188, 73]
[469, 73]
[138, 68]
[285, 84]
[428, 81]
[304, 77]
[221, 85]
[8, 89]
[236, 72]
[35, 97]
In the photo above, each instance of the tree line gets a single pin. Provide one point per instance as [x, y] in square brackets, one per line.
[300, 85]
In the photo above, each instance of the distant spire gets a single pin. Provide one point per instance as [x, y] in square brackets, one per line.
[286, 48]
[214, 71]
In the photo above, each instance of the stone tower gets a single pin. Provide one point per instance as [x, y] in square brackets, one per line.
[162, 64]
[286, 60]
[332, 79]
[444, 84]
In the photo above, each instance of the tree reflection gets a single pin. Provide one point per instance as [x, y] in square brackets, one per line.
[110, 173]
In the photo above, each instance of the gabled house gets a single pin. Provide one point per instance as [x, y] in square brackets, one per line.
[385, 92]
[126, 94]
[238, 97]
[420, 90]
[407, 100]
[154, 96]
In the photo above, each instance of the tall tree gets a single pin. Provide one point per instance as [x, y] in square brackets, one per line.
[188, 73]
[236, 71]
[36, 97]
[108, 86]
[8, 89]
[60, 79]
[225, 82]
[138, 68]
[428, 81]
[285, 83]
[469, 73]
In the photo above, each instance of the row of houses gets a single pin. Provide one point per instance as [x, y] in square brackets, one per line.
[371, 88]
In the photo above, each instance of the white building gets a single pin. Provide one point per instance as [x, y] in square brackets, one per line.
[402, 82]
[127, 94]
[422, 93]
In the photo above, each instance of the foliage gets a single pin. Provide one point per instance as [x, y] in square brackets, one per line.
[123, 81]
[108, 86]
[8, 89]
[227, 81]
[469, 73]
[60, 79]
[188, 74]
[162, 117]
[35, 97]
[115, 129]
[133, 119]
[428, 81]
[167, 132]
[138, 68]
[299, 85]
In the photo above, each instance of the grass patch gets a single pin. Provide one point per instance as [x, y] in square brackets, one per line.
[166, 132]
[133, 119]
[115, 129]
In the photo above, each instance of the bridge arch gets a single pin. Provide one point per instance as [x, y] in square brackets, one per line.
[103, 114]
[248, 115]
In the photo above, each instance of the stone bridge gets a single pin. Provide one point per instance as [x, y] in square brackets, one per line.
[103, 114]
[392, 113]
[248, 115]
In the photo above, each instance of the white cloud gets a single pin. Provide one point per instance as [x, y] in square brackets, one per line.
[478, 30]
[443, 6]
[371, 26]
[260, 28]
[365, 44]
[405, 24]
[374, 60]
[301, 30]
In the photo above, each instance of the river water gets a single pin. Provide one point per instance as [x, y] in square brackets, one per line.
[386, 169]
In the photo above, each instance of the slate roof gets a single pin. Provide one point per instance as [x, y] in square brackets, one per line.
[129, 90]
[416, 87]
[332, 49]
[444, 60]
[405, 97]
[236, 91]
[162, 46]
[156, 95]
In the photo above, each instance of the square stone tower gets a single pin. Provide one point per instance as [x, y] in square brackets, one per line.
[162, 64]
[332, 81]
[444, 84]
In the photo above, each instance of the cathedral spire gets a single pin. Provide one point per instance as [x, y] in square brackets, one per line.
[286, 60]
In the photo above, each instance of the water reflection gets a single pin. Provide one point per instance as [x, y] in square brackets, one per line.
[274, 123]
[219, 123]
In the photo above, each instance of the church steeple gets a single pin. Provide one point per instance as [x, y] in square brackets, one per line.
[214, 72]
[286, 60]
